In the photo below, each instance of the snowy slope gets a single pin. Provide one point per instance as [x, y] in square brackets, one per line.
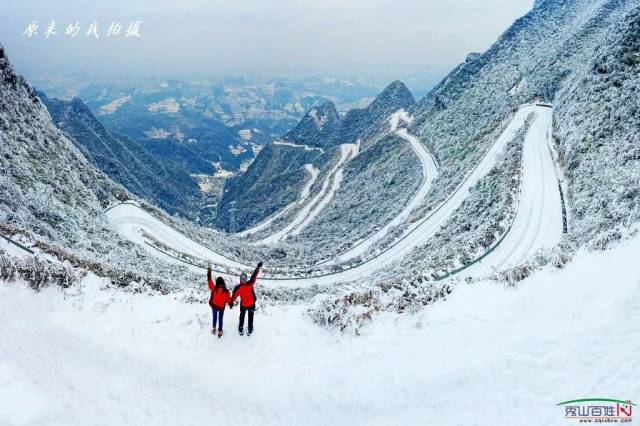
[304, 194]
[487, 356]
[429, 173]
[147, 175]
[273, 180]
[101, 352]
[319, 201]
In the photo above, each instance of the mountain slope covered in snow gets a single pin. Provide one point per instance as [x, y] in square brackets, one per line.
[315, 128]
[52, 198]
[47, 185]
[484, 343]
[167, 185]
[276, 177]
[581, 55]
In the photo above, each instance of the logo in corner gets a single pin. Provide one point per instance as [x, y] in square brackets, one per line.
[598, 410]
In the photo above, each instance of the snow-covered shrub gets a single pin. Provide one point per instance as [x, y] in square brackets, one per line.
[7, 267]
[560, 259]
[516, 274]
[561, 255]
[38, 272]
[119, 276]
[350, 308]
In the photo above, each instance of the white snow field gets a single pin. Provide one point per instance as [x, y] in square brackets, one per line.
[419, 232]
[317, 203]
[488, 355]
[397, 118]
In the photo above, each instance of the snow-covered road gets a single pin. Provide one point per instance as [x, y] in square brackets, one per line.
[538, 221]
[313, 208]
[429, 173]
[535, 184]
[297, 145]
[304, 194]
[421, 231]
[131, 221]
[317, 203]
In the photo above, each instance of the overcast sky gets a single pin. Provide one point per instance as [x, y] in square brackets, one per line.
[370, 38]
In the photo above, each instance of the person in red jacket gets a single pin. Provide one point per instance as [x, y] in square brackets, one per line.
[247, 295]
[218, 301]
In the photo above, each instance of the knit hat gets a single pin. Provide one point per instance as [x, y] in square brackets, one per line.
[243, 277]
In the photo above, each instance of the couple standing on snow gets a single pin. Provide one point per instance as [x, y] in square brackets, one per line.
[220, 298]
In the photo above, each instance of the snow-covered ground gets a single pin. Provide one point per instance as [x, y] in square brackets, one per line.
[319, 201]
[486, 356]
[398, 118]
[114, 105]
[12, 249]
[417, 233]
[301, 146]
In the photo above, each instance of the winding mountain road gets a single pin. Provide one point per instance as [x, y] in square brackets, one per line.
[317, 203]
[538, 220]
[304, 194]
[429, 173]
[535, 225]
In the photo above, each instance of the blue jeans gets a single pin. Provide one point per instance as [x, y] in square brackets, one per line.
[217, 315]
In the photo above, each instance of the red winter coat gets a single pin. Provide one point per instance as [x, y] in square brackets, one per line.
[245, 291]
[220, 296]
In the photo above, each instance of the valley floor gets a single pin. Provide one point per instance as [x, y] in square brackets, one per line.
[486, 356]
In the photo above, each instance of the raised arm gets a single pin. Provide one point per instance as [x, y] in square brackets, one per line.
[212, 285]
[254, 276]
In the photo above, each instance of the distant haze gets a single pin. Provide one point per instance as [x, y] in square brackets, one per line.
[381, 39]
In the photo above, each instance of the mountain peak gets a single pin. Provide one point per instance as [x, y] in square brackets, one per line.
[395, 95]
[10, 77]
[319, 122]
[397, 90]
[323, 115]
